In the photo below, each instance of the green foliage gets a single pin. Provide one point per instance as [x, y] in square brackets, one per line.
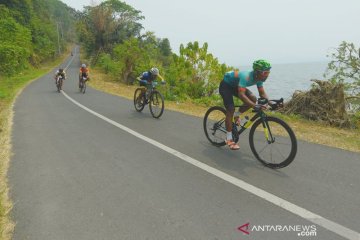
[134, 56]
[129, 57]
[355, 120]
[112, 29]
[165, 48]
[15, 46]
[29, 33]
[13, 58]
[106, 63]
[345, 67]
[197, 72]
[108, 24]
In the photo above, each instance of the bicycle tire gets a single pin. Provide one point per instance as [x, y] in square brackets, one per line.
[83, 89]
[80, 86]
[58, 85]
[155, 99]
[279, 125]
[139, 100]
[211, 126]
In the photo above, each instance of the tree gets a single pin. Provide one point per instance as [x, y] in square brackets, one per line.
[128, 57]
[165, 48]
[39, 18]
[345, 67]
[197, 71]
[108, 24]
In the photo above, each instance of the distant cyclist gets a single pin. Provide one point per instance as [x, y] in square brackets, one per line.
[84, 72]
[235, 83]
[60, 73]
[147, 77]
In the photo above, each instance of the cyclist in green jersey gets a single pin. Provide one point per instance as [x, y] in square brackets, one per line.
[235, 83]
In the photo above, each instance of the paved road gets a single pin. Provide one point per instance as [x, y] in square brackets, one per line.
[75, 176]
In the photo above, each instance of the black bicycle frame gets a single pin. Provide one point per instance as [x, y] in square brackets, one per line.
[265, 124]
[256, 116]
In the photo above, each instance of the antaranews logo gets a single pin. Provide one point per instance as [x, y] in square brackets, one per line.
[300, 230]
[244, 228]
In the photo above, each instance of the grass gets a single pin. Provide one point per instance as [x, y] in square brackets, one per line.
[10, 88]
[310, 131]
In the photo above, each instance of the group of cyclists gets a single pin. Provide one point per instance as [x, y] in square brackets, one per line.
[83, 73]
[234, 84]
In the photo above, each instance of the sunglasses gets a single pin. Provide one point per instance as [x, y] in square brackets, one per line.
[266, 72]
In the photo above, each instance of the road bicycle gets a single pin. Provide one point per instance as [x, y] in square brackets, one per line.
[82, 84]
[59, 82]
[271, 139]
[149, 95]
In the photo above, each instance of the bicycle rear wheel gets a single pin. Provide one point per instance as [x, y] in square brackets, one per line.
[214, 125]
[273, 142]
[139, 99]
[156, 104]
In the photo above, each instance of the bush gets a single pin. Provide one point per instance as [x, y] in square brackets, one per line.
[13, 58]
[106, 63]
[15, 46]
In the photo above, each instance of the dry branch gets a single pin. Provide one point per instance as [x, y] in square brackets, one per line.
[324, 102]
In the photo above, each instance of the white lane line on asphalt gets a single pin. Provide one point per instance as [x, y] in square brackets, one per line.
[71, 60]
[299, 211]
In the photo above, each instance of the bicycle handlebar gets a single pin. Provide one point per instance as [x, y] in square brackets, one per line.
[153, 83]
[273, 103]
[277, 103]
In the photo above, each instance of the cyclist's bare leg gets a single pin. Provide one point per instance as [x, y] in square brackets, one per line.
[228, 123]
[228, 119]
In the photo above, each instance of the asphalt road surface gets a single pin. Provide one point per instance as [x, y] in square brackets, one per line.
[88, 166]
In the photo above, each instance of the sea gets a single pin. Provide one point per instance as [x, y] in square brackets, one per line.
[285, 79]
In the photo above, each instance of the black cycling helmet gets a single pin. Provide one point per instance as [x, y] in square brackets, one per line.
[61, 70]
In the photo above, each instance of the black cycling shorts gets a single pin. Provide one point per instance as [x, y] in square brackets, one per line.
[227, 92]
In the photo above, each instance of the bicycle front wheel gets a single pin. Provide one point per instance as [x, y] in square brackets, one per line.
[214, 125]
[139, 99]
[273, 142]
[83, 87]
[58, 85]
[156, 104]
[80, 85]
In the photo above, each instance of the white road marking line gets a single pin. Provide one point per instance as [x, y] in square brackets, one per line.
[71, 60]
[299, 211]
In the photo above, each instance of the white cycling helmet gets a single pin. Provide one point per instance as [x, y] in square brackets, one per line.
[83, 65]
[154, 71]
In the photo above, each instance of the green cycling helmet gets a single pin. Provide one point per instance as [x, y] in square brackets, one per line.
[261, 65]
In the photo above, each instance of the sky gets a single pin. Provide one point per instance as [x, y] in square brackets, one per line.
[241, 31]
